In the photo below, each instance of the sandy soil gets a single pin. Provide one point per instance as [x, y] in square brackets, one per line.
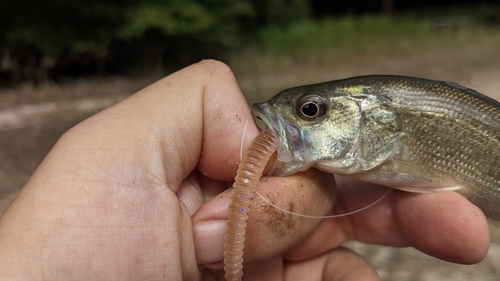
[29, 127]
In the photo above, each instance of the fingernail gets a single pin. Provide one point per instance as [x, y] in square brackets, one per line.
[209, 241]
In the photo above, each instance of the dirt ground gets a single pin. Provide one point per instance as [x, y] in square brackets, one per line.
[31, 121]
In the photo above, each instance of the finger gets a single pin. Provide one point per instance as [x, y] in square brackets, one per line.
[443, 225]
[270, 231]
[190, 193]
[196, 189]
[373, 225]
[227, 123]
[339, 264]
[269, 269]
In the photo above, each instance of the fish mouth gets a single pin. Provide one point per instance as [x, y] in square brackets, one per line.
[286, 133]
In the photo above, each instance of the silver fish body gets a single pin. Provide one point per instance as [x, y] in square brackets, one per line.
[407, 133]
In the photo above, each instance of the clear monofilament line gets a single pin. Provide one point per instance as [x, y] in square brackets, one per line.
[243, 135]
[323, 217]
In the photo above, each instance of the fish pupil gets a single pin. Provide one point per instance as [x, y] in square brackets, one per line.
[310, 109]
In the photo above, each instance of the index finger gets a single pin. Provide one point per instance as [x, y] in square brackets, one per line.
[444, 225]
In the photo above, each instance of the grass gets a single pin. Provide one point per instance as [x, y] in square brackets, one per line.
[328, 40]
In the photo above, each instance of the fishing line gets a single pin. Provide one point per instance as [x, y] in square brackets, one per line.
[243, 138]
[243, 135]
[324, 217]
[297, 214]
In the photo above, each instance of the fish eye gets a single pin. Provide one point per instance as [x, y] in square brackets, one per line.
[311, 107]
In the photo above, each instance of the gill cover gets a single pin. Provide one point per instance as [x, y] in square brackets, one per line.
[336, 129]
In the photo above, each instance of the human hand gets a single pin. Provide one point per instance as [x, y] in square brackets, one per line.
[122, 197]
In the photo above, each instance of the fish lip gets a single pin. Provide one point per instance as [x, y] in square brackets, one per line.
[265, 112]
[275, 122]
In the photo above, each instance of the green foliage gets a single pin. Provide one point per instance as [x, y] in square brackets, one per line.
[329, 40]
[179, 32]
[345, 32]
[184, 30]
[55, 26]
[174, 19]
[217, 21]
[282, 12]
[89, 26]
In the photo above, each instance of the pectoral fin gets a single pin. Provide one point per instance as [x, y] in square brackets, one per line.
[411, 169]
[427, 189]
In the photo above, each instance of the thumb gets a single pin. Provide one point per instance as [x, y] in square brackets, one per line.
[270, 231]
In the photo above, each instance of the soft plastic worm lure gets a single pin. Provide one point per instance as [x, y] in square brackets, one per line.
[249, 172]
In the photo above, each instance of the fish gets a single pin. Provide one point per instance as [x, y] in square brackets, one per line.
[407, 133]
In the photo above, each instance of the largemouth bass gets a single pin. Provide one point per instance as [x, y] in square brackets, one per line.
[407, 133]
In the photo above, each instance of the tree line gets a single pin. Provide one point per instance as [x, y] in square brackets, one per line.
[54, 38]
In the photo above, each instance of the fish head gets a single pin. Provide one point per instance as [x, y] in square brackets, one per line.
[315, 124]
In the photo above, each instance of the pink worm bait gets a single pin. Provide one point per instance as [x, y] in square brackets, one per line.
[249, 172]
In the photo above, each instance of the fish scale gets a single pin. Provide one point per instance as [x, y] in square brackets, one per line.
[466, 161]
[408, 133]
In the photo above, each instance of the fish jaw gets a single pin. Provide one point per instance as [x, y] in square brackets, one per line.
[290, 142]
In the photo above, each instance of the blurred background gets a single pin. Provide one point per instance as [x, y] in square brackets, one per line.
[61, 61]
